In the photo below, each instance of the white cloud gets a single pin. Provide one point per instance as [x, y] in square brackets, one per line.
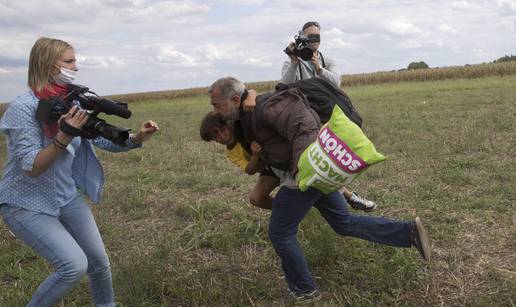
[92, 61]
[168, 56]
[138, 45]
[506, 25]
[214, 53]
[237, 52]
[242, 2]
[14, 48]
[479, 54]
[447, 29]
[400, 27]
[4, 71]
[506, 7]
[333, 31]
[338, 43]
[44, 12]
[163, 10]
[257, 62]
[463, 5]
[410, 44]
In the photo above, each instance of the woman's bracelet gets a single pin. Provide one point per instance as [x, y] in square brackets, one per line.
[58, 142]
[57, 145]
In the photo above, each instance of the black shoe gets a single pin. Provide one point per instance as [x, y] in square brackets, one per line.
[420, 240]
[294, 298]
[359, 203]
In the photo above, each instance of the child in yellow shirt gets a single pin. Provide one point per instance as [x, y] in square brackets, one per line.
[215, 128]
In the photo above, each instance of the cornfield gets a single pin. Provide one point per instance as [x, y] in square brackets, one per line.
[438, 73]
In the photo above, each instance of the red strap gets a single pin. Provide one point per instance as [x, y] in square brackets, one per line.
[50, 130]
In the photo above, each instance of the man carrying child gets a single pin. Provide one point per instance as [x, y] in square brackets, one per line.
[294, 126]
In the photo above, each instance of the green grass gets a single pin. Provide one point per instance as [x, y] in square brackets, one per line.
[179, 231]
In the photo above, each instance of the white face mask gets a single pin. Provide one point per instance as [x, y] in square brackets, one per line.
[66, 76]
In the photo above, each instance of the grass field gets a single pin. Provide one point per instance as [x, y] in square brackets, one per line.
[179, 231]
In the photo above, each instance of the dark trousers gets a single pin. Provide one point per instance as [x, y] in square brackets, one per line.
[290, 206]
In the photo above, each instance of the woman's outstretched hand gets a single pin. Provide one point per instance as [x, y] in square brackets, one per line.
[146, 131]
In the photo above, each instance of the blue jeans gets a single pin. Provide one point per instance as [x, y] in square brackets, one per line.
[71, 243]
[290, 206]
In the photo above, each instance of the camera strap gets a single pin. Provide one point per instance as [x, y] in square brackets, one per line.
[322, 60]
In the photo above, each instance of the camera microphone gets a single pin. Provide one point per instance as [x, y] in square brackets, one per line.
[112, 107]
[108, 106]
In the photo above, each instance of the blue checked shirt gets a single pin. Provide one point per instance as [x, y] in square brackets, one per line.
[25, 139]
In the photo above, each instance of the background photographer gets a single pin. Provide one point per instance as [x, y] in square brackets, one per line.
[45, 170]
[318, 66]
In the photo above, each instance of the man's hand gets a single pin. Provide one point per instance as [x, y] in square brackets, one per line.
[250, 102]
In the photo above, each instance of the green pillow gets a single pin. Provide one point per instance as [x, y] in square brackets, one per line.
[340, 153]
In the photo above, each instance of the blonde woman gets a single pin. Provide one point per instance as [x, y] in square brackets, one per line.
[46, 170]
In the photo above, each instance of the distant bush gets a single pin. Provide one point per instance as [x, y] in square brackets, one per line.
[506, 58]
[417, 65]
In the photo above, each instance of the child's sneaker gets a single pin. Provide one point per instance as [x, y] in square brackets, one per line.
[294, 298]
[359, 203]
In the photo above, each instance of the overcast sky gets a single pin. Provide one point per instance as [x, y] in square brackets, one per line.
[126, 46]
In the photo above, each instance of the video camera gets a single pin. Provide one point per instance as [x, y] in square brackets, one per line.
[51, 109]
[300, 48]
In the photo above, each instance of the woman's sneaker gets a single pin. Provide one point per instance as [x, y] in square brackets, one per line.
[359, 203]
[294, 298]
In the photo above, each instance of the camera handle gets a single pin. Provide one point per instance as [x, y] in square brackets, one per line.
[71, 130]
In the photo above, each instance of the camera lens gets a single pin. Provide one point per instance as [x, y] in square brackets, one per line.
[305, 53]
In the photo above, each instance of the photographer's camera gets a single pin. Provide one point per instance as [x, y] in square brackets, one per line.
[301, 46]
